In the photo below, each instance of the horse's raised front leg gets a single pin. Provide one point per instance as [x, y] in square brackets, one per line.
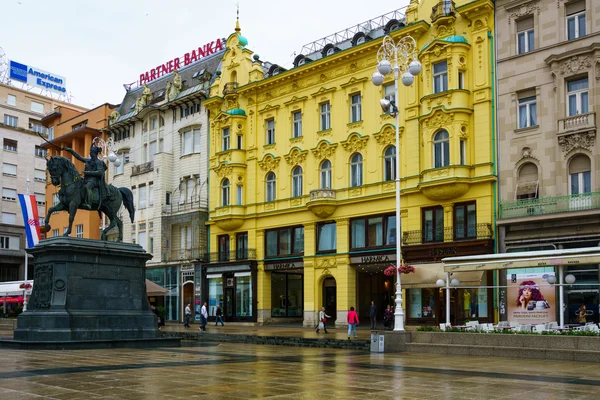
[72, 212]
[58, 207]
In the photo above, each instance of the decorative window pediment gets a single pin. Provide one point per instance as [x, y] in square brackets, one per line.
[269, 162]
[296, 156]
[223, 170]
[387, 135]
[323, 91]
[355, 142]
[324, 150]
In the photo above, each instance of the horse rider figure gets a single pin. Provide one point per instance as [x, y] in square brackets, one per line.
[93, 177]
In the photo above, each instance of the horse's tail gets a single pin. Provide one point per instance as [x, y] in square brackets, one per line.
[128, 201]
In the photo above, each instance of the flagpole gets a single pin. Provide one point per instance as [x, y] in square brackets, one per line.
[26, 260]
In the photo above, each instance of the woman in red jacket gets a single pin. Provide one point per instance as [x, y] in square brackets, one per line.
[352, 322]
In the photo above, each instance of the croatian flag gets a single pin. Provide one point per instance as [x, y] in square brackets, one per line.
[30, 216]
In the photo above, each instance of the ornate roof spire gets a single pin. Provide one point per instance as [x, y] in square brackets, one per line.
[237, 21]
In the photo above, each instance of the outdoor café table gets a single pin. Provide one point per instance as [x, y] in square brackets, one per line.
[462, 327]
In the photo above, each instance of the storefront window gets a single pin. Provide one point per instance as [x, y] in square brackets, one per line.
[473, 302]
[286, 295]
[172, 298]
[422, 303]
[243, 294]
[215, 293]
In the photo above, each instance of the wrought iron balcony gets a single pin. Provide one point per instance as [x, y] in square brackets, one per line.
[183, 255]
[230, 88]
[549, 205]
[577, 123]
[188, 205]
[448, 234]
[142, 168]
[444, 8]
[235, 255]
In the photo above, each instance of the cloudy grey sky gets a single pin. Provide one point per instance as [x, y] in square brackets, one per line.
[100, 45]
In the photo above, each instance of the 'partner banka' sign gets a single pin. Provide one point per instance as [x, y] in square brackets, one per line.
[187, 59]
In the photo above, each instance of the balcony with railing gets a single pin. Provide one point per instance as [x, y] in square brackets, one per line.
[183, 255]
[447, 234]
[234, 255]
[577, 123]
[549, 205]
[323, 202]
[444, 8]
[142, 168]
[186, 206]
[230, 88]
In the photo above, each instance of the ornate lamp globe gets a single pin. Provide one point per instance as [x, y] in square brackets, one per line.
[551, 279]
[112, 157]
[407, 79]
[384, 67]
[570, 279]
[377, 78]
[454, 282]
[440, 282]
[414, 67]
[117, 162]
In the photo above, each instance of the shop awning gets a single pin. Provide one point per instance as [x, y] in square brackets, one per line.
[152, 289]
[528, 259]
[426, 276]
[12, 288]
[14, 299]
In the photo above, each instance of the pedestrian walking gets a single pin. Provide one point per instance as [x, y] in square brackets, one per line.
[322, 320]
[353, 322]
[203, 317]
[373, 315]
[157, 313]
[219, 316]
[388, 318]
[188, 313]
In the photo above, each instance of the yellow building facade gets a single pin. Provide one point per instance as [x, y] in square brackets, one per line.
[302, 165]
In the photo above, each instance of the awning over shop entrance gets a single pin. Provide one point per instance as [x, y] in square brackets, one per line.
[544, 258]
[152, 289]
[426, 276]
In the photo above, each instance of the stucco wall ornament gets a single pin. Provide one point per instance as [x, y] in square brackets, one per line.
[114, 116]
[355, 143]
[295, 156]
[223, 170]
[324, 150]
[269, 162]
[577, 141]
[325, 263]
[524, 9]
[387, 136]
[439, 119]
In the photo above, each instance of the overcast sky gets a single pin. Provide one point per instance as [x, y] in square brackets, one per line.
[100, 45]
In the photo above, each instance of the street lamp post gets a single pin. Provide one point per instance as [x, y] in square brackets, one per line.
[109, 150]
[404, 55]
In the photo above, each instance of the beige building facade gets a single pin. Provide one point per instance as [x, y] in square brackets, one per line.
[548, 91]
[22, 158]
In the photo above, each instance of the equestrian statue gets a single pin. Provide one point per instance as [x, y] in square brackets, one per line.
[88, 193]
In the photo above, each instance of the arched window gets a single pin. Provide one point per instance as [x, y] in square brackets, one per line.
[389, 163]
[225, 192]
[161, 122]
[580, 176]
[356, 170]
[297, 182]
[326, 174]
[441, 149]
[527, 183]
[270, 186]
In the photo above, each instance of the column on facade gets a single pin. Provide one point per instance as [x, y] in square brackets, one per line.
[311, 283]
[263, 284]
[448, 219]
[345, 275]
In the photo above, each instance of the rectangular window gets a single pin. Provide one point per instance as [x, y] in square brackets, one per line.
[373, 232]
[10, 145]
[12, 100]
[121, 168]
[145, 153]
[297, 118]
[189, 190]
[389, 93]
[581, 182]
[433, 224]
[241, 246]
[37, 107]
[154, 123]
[463, 152]
[55, 233]
[223, 243]
[51, 133]
[284, 242]
[286, 295]
[134, 194]
[239, 196]
[9, 169]
[527, 111]
[355, 108]
[465, 221]
[9, 218]
[461, 80]
[525, 35]
[39, 152]
[577, 97]
[326, 237]
[325, 116]
[225, 139]
[79, 231]
[40, 199]
[150, 241]
[39, 175]
[152, 150]
[440, 77]
[190, 142]
[142, 192]
[240, 142]
[56, 200]
[37, 127]
[142, 240]
[150, 195]
[270, 131]
[575, 19]
[10, 120]
[9, 194]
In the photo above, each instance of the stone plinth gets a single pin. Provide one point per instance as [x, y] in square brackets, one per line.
[87, 290]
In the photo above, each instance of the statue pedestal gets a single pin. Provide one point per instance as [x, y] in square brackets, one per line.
[87, 290]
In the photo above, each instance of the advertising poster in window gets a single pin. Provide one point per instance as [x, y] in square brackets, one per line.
[530, 299]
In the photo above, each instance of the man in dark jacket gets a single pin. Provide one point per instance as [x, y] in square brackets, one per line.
[373, 315]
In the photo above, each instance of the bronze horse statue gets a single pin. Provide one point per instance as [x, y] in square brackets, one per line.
[73, 191]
